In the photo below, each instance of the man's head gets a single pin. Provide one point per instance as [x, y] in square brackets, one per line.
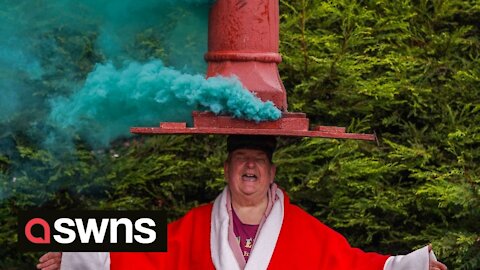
[249, 170]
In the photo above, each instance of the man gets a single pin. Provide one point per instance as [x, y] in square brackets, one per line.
[251, 225]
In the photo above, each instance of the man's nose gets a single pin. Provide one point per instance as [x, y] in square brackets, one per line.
[251, 163]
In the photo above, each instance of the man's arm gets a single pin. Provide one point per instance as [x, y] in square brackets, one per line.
[52, 261]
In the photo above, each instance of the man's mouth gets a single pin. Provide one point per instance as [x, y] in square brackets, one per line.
[249, 177]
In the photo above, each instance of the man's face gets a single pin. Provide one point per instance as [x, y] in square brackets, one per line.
[249, 173]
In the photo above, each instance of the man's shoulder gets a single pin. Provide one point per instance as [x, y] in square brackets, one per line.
[303, 220]
[201, 208]
[195, 215]
[195, 223]
[297, 213]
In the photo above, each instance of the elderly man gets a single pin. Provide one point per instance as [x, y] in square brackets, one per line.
[251, 225]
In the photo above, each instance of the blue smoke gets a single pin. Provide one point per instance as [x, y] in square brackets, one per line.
[138, 94]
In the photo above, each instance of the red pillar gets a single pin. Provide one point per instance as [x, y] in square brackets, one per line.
[243, 41]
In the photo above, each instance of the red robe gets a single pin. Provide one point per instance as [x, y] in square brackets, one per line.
[303, 243]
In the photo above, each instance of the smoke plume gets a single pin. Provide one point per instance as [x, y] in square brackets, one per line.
[142, 94]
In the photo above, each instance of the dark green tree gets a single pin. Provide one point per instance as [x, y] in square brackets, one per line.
[407, 70]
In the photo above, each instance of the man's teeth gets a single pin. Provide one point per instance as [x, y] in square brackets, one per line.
[250, 177]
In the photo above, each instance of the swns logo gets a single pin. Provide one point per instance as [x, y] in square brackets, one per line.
[42, 230]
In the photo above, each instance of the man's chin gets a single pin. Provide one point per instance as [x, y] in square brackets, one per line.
[250, 192]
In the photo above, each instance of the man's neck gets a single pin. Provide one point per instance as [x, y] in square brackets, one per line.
[250, 211]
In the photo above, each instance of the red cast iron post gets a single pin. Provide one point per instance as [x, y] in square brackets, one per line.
[243, 41]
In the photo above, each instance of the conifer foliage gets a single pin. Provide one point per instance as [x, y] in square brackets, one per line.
[407, 70]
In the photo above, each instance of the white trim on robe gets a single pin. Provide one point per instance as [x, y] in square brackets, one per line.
[222, 254]
[85, 261]
[416, 260]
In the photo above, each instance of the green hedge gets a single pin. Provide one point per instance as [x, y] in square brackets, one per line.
[407, 70]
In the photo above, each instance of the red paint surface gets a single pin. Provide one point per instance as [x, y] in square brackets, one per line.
[291, 124]
[243, 41]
